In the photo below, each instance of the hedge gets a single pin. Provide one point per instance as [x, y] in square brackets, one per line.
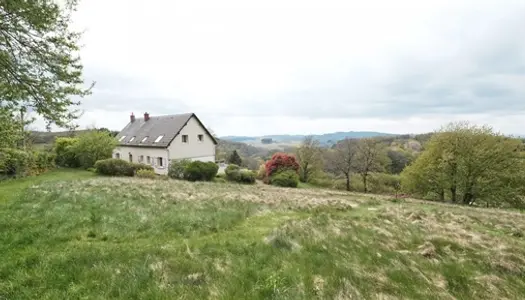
[176, 168]
[236, 174]
[200, 171]
[287, 178]
[114, 167]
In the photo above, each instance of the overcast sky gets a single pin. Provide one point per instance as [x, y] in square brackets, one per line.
[300, 66]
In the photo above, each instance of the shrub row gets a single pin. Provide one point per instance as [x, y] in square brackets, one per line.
[236, 174]
[192, 170]
[19, 163]
[119, 167]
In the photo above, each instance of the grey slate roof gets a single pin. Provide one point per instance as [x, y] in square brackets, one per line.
[168, 125]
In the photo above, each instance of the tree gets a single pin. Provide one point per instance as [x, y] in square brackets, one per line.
[92, 146]
[309, 157]
[39, 63]
[235, 158]
[341, 159]
[370, 157]
[399, 160]
[468, 164]
[281, 162]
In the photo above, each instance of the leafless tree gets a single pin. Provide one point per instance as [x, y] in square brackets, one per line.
[341, 160]
[371, 157]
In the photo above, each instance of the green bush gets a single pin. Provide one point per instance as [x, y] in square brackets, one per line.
[322, 179]
[91, 170]
[247, 176]
[232, 172]
[114, 167]
[64, 149]
[177, 167]
[236, 174]
[44, 161]
[287, 178]
[143, 173]
[382, 183]
[139, 166]
[16, 163]
[200, 171]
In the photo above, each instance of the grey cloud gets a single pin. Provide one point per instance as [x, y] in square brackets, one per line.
[126, 93]
[484, 75]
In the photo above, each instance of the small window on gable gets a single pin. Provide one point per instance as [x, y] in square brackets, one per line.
[131, 139]
[201, 137]
[121, 138]
[159, 138]
[144, 139]
[185, 138]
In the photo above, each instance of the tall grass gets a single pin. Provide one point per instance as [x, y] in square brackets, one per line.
[141, 239]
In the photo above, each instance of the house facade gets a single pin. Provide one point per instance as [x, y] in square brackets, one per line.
[156, 140]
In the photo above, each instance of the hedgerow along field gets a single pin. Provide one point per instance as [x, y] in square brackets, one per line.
[130, 238]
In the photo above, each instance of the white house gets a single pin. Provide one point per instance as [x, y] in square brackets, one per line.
[156, 140]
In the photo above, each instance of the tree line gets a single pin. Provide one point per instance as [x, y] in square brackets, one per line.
[460, 163]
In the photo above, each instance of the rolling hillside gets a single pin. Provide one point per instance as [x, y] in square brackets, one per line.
[326, 138]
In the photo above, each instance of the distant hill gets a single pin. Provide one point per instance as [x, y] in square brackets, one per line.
[326, 139]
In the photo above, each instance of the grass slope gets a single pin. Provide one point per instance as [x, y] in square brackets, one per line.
[124, 238]
[10, 189]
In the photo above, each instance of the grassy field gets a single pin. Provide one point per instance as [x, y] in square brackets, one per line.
[126, 238]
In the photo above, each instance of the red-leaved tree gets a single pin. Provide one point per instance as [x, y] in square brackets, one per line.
[281, 162]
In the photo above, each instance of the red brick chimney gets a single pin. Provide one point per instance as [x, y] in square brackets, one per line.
[146, 117]
[132, 118]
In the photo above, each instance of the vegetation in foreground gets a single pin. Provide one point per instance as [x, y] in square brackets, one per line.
[125, 238]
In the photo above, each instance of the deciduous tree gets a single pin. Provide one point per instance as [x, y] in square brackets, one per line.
[309, 157]
[341, 160]
[467, 164]
[370, 157]
[39, 63]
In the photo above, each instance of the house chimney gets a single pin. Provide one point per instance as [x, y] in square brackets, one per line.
[146, 117]
[132, 118]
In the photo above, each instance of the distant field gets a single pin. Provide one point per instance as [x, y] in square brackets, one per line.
[121, 238]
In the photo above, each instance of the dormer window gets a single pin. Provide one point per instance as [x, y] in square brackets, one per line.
[131, 139]
[159, 138]
[121, 138]
[144, 139]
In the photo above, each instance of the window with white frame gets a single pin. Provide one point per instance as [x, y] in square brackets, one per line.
[160, 162]
[141, 158]
[148, 160]
[184, 138]
[117, 155]
[200, 137]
